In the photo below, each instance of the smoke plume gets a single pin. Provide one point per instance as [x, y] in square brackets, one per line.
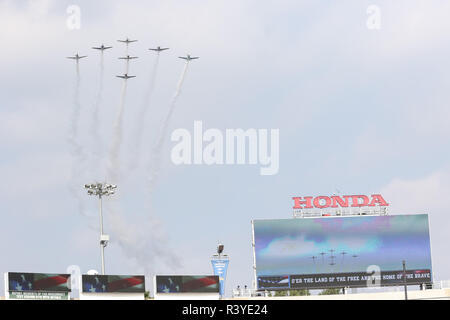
[155, 162]
[97, 142]
[141, 116]
[114, 155]
[76, 149]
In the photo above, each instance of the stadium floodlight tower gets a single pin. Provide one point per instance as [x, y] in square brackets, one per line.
[100, 190]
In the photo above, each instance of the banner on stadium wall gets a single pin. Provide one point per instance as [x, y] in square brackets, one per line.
[113, 283]
[220, 267]
[187, 284]
[38, 286]
[338, 280]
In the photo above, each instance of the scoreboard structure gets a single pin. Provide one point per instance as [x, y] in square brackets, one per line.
[337, 252]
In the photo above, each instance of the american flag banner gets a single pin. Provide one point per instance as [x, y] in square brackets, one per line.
[183, 284]
[21, 281]
[113, 283]
[200, 284]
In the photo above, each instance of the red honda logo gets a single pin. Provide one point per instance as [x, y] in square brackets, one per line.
[338, 201]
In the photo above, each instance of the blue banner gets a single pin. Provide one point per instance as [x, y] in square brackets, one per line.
[220, 267]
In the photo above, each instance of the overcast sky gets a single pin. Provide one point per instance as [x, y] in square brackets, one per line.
[359, 110]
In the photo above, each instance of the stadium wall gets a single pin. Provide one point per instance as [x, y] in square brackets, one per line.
[432, 294]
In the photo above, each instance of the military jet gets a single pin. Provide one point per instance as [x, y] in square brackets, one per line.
[76, 57]
[158, 49]
[127, 41]
[102, 47]
[126, 76]
[128, 57]
[188, 58]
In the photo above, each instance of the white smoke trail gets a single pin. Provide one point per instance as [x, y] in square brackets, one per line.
[142, 113]
[158, 149]
[77, 151]
[76, 112]
[95, 118]
[144, 241]
[114, 155]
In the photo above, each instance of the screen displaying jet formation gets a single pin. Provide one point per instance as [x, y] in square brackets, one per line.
[342, 251]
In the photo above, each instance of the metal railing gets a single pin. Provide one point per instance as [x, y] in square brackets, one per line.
[249, 293]
[329, 212]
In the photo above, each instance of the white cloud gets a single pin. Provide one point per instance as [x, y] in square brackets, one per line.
[288, 247]
[427, 194]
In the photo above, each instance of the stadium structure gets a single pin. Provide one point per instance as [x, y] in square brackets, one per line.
[334, 248]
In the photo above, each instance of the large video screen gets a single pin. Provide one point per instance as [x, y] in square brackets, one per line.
[184, 284]
[113, 283]
[21, 281]
[342, 252]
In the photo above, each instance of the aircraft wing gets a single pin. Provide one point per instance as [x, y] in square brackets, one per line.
[107, 47]
[131, 76]
[82, 57]
[193, 58]
[162, 49]
[71, 57]
[123, 77]
[183, 58]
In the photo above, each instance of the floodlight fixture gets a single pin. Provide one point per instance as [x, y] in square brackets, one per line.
[101, 189]
[220, 248]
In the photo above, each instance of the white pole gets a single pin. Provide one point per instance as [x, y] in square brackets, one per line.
[102, 247]
[255, 283]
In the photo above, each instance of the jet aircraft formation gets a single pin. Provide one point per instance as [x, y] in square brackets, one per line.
[127, 41]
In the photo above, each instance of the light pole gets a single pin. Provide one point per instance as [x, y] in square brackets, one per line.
[404, 279]
[100, 190]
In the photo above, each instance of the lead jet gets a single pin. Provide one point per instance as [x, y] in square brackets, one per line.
[158, 49]
[102, 47]
[127, 41]
[128, 57]
[188, 58]
[76, 57]
[125, 76]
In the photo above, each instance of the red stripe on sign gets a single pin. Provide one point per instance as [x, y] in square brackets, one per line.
[199, 283]
[124, 283]
[49, 282]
